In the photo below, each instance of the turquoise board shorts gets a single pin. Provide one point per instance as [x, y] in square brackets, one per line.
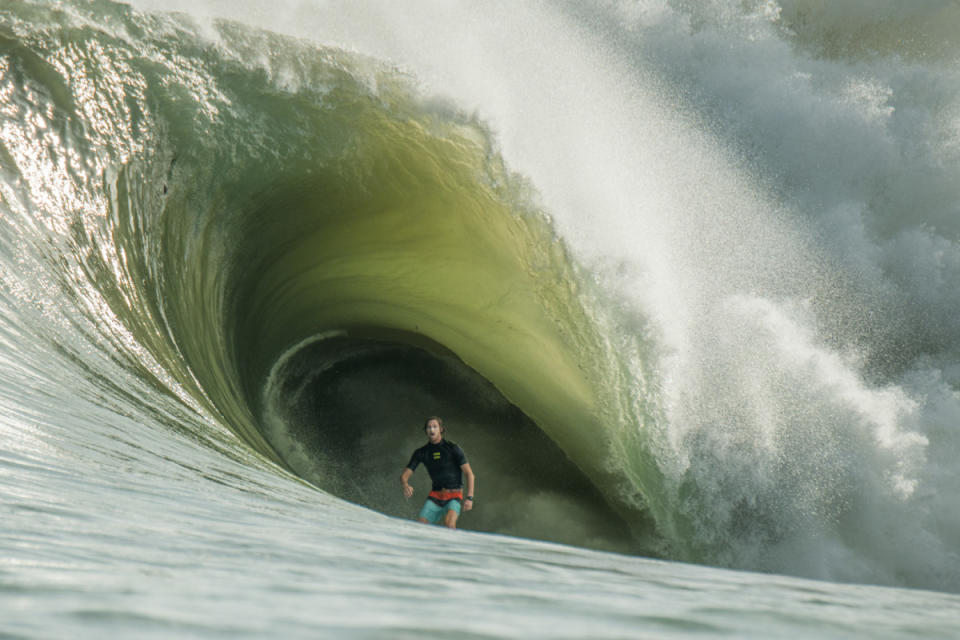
[434, 513]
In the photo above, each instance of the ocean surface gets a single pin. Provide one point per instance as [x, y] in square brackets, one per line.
[681, 277]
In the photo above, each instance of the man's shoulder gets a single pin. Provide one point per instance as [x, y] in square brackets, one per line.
[457, 452]
[452, 445]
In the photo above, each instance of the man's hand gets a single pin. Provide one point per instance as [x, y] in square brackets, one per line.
[467, 505]
[404, 478]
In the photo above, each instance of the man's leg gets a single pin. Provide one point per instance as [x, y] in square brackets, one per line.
[430, 513]
[450, 519]
[452, 513]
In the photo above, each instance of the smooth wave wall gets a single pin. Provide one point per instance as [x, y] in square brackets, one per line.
[314, 191]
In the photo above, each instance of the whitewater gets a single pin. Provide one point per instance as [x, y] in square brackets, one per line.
[680, 276]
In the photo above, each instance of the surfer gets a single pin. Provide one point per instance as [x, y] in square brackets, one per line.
[447, 464]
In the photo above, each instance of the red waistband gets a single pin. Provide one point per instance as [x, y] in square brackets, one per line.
[447, 494]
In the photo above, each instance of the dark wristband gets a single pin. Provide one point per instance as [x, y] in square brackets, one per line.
[470, 498]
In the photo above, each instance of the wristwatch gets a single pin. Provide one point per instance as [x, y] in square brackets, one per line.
[470, 498]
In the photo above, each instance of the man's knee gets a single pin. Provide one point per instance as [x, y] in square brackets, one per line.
[450, 519]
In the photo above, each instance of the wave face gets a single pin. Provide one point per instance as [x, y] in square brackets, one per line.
[679, 277]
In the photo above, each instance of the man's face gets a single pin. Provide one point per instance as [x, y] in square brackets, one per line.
[433, 431]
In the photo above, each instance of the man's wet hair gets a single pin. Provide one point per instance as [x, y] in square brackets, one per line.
[439, 421]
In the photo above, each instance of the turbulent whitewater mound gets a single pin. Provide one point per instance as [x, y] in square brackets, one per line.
[679, 277]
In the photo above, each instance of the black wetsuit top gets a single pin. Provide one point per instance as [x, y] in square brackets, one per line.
[443, 463]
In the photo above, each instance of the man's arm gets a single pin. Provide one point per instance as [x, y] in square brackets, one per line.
[404, 482]
[468, 474]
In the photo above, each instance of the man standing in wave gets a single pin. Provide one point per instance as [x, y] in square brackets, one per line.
[447, 464]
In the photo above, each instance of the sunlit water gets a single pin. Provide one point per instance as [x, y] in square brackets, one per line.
[680, 277]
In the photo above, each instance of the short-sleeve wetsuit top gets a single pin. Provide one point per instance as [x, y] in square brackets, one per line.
[443, 463]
